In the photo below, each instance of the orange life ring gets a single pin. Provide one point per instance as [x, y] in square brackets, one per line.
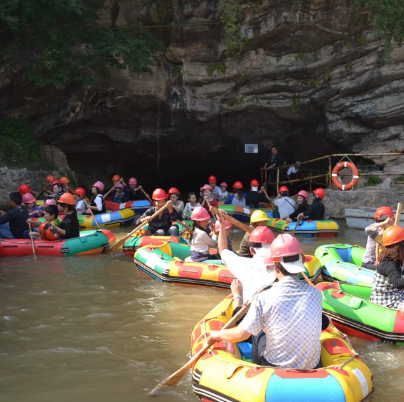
[354, 180]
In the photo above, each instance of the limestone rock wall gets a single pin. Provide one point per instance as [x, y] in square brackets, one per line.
[311, 77]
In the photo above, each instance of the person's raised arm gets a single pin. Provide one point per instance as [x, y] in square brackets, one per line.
[222, 241]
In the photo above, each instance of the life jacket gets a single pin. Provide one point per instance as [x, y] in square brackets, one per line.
[93, 204]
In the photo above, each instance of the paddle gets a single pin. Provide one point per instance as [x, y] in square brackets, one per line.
[113, 188]
[398, 213]
[175, 378]
[40, 192]
[144, 192]
[118, 244]
[88, 206]
[234, 221]
[32, 241]
[183, 223]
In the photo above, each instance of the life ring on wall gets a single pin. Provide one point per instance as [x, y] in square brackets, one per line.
[354, 180]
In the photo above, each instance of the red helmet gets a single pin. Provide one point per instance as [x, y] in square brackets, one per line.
[224, 184]
[254, 183]
[99, 185]
[212, 179]
[200, 214]
[56, 182]
[319, 192]
[283, 189]
[228, 225]
[206, 187]
[285, 245]
[392, 235]
[24, 189]
[49, 202]
[67, 198]
[47, 232]
[132, 180]
[262, 234]
[27, 198]
[116, 177]
[80, 191]
[50, 178]
[159, 194]
[64, 180]
[384, 211]
[304, 194]
[173, 190]
[238, 184]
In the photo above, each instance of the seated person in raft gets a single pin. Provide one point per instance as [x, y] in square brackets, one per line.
[285, 321]
[13, 223]
[316, 210]
[162, 224]
[388, 281]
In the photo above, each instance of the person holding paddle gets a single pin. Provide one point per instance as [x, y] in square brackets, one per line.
[162, 224]
[207, 200]
[286, 205]
[286, 320]
[258, 218]
[250, 271]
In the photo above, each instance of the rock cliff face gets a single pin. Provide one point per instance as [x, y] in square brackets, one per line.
[311, 78]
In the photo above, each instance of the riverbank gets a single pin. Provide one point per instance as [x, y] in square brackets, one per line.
[336, 200]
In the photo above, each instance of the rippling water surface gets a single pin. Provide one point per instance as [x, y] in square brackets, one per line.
[97, 329]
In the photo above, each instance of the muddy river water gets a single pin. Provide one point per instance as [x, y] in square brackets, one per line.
[96, 329]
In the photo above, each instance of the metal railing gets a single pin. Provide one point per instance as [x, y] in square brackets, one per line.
[327, 175]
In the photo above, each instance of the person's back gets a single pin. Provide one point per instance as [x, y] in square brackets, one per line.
[14, 222]
[286, 206]
[291, 315]
[254, 198]
[316, 211]
[71, 225]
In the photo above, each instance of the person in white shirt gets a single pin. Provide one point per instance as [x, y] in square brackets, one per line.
[177, 204]
[251, 272]
[79, 195]
[286, 320]
[292, 171]
[191, 205]
[200, 241]
[285, 205]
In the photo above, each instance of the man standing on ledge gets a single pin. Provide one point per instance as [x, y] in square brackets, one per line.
[273, 162]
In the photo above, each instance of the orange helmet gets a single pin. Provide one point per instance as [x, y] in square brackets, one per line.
[47, 232]
[50, 178]
[159, 194]
[212, 179]
[64, 180]
[319, 192]
[116, 178]
[238, 184]
[283, 189]
[67, 198]
[392, 235]
[384, 211]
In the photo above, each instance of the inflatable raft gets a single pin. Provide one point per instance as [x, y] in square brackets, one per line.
[342, 262]
[242, 214]
[352, 312]
[109, 219]
[226, 374]
[134, 243]
[90, 242]
[311, 228]
[163, 260]
[138, 206]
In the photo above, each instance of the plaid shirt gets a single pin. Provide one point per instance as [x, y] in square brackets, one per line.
[384, 292]
[290, 315]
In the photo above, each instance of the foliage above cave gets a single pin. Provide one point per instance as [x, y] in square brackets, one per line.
[64, 41]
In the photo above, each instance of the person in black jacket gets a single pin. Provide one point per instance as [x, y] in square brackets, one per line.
[302, 206]
[255, 197]
[274, 161]
[316, 210]
[69, 227]
[388, 281]
[13, 223]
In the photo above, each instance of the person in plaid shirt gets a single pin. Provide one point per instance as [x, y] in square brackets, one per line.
[286, 320]
[388, 283]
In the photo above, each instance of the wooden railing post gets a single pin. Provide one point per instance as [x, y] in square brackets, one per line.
[277, 181]
[329, 173]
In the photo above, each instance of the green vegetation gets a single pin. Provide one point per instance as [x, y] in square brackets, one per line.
[176, 71]
[64, 41]
[295, 104]
[220, 67]
[372, 181]
[17, 142]
[327, 77]
[238, 100]
[314, 83]
[230, 18]
[400, 179]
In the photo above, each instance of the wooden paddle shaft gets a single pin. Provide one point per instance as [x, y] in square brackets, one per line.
[144, 192]
[119, 242]
[234, 221]
[32, 241]
[398, 213]
[40, 192]
[113, 188]
[95, 220]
